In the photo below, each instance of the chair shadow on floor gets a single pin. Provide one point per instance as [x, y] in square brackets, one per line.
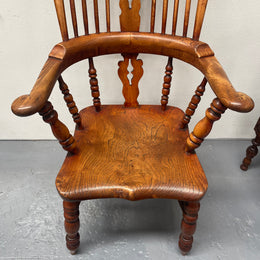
[113, 220]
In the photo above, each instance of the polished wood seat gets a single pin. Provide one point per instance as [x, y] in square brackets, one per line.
[132, 153]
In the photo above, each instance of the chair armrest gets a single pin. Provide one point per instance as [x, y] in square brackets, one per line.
[27, 105]
[222, 87]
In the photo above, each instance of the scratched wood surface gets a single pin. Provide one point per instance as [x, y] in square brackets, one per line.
[132, 154]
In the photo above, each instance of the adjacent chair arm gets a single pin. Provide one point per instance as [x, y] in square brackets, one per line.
[27, 105]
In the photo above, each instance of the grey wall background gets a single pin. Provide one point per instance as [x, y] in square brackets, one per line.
[29, 29]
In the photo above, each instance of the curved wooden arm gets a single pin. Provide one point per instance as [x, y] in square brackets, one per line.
[222, 87]
[30, 104]
[193, 52]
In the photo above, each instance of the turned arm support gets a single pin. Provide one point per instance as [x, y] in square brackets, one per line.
[59, 130]
[204, 126]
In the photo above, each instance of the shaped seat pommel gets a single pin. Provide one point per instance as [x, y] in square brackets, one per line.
[196, 53]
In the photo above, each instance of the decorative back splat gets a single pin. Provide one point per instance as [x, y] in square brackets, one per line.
[130, 22]
[130, 91]
[130, 18]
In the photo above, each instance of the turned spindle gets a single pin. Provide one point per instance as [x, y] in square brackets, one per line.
[194, 103]
[59, 130]
[204, 126]
[252, 150]
[69, 101]
[94, 85]
[71, 223]
[188, 225]
[167, 83]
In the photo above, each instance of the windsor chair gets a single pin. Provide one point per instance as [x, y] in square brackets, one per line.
[131, 151]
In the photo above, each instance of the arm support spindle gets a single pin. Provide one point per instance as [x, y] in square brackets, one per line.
[59, 130]
[194, 103]
[69, 101]
[203, 128]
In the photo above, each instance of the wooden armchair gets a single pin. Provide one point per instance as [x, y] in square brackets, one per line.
[131, 151]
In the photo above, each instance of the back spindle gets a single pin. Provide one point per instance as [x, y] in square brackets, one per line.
[164, 15]
[74, 17]
[60, 10]
[175, 16]
[186, 18]
[85, 16]
[108, 15]
[201, 9]
[153, 9]
[96, 15]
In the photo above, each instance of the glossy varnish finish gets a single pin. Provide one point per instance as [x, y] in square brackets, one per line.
[131, 151]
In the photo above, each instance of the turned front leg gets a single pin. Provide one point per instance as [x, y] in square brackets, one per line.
[203, 128]
[188, 225]
[71, 223]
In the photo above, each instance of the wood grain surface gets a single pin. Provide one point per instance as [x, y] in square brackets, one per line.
[131, 153]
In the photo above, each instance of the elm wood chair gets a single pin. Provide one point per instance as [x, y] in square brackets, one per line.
[252, 150]
[131, 151]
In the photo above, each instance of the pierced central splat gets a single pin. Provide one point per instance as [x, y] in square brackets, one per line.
[130, 90]
[130, 22]
[130, 3]
[130, 18]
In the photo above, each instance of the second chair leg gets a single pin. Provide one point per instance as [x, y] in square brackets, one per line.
[252, 150]
[188, 225]
[71, 215]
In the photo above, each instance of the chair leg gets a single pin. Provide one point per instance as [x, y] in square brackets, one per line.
[252, 150]
[71, 223]
[188, 225]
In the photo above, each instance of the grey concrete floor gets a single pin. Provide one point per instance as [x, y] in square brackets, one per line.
[31, 213]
